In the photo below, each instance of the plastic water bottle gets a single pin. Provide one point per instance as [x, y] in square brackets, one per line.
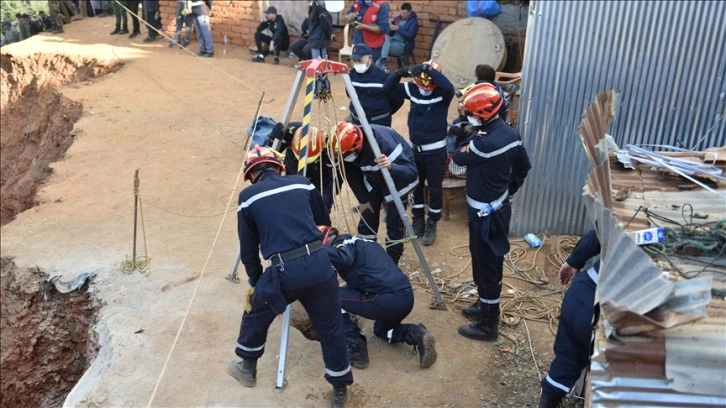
[225, 42]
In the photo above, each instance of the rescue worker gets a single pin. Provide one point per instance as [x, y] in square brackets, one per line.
[497, 165]
[375, 289]
[430, 94]
[365, 178]
[319, 166]
[368, 79]
[573, 343]
[288, 238]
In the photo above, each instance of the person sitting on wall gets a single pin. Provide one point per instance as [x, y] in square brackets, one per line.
[278, 41]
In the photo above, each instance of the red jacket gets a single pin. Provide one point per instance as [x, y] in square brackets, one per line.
[373, 40]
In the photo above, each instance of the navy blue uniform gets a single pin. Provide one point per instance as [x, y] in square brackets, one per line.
[367, 182]
[378, 105]
[497, 165]
[574, 332]
[427, 129]
[376, 288]
[267, 223]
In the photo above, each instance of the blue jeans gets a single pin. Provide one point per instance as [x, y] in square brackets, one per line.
[204, 29]
[319, 53]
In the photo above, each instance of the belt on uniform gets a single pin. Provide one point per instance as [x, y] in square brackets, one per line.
[306, 249]
[487, 208]
[430, 146]
[372, 118]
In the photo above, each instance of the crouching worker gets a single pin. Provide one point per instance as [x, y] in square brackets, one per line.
[375, 289]
[287, 237]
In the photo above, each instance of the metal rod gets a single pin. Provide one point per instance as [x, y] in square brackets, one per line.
[439, 301]
[136, 212]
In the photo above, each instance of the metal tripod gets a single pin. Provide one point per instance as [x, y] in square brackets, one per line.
[310, 70]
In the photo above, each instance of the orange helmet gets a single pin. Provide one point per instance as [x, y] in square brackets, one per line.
[483, 101]
[258, 155]
[316, 143]
[423, 80]
[348, 138]
[329, 233]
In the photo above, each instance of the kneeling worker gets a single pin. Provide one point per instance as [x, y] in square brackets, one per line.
[376, 289]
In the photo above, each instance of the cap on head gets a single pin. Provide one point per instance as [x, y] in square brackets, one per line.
[360, 51]
[258, 155]
[424, 80]
[348, 138]
[483, 101]
[270, 10]
[329, 233]
[315, 143]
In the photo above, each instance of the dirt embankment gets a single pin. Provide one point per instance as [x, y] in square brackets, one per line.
[37, 121]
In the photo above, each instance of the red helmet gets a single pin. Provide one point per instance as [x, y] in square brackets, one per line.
[329, 233]
[348, 138]
[483, 101]
[258, 155]
[423, 80]
[315, 143]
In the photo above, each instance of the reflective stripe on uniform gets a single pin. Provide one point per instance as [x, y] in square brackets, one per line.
[241, 347]
[490, 301]
[274, 191]
[494, 153]
[337, 373]
[556, 384]
[367, 84]
[592, 273]
[423, 101]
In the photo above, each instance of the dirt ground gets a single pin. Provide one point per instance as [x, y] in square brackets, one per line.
[165, 337]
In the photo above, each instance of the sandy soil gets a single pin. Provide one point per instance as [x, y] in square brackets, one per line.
[166, 337]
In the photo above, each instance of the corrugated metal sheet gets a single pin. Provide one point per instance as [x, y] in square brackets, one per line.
[667, 59]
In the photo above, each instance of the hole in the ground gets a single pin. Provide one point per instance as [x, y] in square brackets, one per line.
[36, 121]
[47, 337]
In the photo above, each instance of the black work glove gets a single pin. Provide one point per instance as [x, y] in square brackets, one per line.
[404, 72]
[278, 132]
[418, 68]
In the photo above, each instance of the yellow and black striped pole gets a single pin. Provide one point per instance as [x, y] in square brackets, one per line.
[307, 113]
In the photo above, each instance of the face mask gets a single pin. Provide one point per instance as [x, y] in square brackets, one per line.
[425, 92]
[360, 68]
[473, 120]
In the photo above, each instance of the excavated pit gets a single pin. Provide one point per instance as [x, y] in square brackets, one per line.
[47, 340]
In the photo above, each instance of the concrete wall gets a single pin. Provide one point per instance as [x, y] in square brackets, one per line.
[239, 19]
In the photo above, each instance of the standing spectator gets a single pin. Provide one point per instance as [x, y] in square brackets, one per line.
[23, 25]
[54, 8]
[288, 237]
[575, 330]
[320, 30]
[368, 79]
[375, 289]
[280, 39]
[365, 178]
[301, 46]
[374, 25]
[45, 20]
[133, 6]
[122, 20]
[400, 40]
[10, 33]
[201, 10]
[353, 16]
[430, 94]
[184, 18]
[497, 165]
[152, 16]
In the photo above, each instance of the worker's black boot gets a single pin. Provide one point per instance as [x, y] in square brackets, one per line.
[357, 351]
[244, 371]
[549, 401]
[418, 336]
[340, 396]
[430, 233]
[484, 330]
[116, 31]
[474, 311]
[419, 226]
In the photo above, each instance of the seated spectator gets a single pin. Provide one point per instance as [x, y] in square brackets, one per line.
[45, 20]
[10, 33]
[301, 46]
[400, 40]
[23, 25]
[280, 39]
